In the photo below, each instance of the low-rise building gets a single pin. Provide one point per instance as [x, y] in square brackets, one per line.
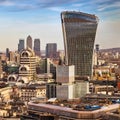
[33, 90]
[5, 94]
[67, 113]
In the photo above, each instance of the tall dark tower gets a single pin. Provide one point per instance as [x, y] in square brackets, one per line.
[0, 67]
[37, 47]
[7, 53]
[29, 42]
[79, 30]
[51, 50]
[97, 47]
[20, 45]
[97, 52]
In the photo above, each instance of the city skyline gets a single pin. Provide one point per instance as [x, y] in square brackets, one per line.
[41, 19]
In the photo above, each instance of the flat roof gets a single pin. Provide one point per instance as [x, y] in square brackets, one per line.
[69, 112]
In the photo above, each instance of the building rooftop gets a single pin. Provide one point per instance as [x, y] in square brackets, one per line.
[70, 112]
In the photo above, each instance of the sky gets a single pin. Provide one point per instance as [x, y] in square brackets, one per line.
[41, 19]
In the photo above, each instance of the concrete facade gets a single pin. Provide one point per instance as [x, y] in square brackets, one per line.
[65, 74]
[65, 92]
[81, 89]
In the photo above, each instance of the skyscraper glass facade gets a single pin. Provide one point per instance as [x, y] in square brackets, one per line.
[20, 45]
[29, 42]
[37, 46]
[51, 50]
[79, 30]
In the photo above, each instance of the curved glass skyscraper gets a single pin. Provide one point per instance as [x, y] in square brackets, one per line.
[79, 30]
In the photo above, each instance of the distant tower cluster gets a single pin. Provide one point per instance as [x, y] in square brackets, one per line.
[20, 45]
[79, 30]
[37, 47]
[51, 50]
[29, 42]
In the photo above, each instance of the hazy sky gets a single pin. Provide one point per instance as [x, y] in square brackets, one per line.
[41, 19]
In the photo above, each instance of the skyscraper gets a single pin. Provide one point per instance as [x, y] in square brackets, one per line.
[51, 50]
[79, 30]
[97, 47]
[37, 46]
[7, 53]
[29, 42]
[0, 67]
[20, 45]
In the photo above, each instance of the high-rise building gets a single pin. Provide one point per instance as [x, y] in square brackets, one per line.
[12, 56]
[97, 47]
[7, 52]
[79, 30]
[0, 68]
[51, 50]
[37, 47]
[65, 76]
[29, 42]
[97, 52]
[20, 45]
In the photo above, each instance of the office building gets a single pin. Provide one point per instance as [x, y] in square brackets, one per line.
[27, 67]
[12, 56]
[97, 47]
[79, 30]
[20, 45]
[1, 71]
[81, 88]
[37, 47]
[29, 42]
[51, 50]
[7, 53]
[65, 76]
[47, 66]
[51, 90]
[33, 90]
[5, 94]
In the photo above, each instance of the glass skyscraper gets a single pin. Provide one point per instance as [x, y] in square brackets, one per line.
[21, 45]
[51, 50]
[29, 42]
[37, 47]
[79, 30]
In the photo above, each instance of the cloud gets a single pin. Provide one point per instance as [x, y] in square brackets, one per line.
[57, 9]
[114, 5]
[6, 3]
[78, 5]
[98, 7]
[112, 15]
[17, 5]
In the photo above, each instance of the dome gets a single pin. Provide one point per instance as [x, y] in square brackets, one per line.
[12, 78]
[22, 80]
[24, 68]
[27, 53]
